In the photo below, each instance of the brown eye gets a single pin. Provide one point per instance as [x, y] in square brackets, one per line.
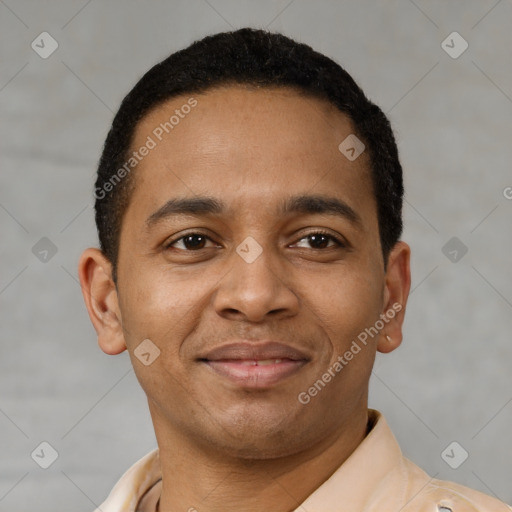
[190, 242]
[319, 240]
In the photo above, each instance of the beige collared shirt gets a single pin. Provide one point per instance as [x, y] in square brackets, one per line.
[375, 478]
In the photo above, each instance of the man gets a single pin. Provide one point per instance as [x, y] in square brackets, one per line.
[248, 205]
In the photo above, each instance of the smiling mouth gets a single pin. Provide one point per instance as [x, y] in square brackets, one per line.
[255, 373]
[255, 364]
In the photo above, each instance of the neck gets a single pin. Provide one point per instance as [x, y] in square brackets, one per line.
[199, 478]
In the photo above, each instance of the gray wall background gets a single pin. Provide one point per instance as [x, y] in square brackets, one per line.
[450, 380]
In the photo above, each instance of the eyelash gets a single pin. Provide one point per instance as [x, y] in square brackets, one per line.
[339, 242]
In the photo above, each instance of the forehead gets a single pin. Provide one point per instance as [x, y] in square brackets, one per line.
[246, 144]
[239, 110]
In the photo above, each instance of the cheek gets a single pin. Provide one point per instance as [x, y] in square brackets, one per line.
[349, 308]
[156, 309]
[166, 306]
[344, 302]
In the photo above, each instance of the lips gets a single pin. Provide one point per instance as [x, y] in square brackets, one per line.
[261, 350]
[255, 364]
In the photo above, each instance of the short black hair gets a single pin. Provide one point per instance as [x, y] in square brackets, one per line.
[254, 58]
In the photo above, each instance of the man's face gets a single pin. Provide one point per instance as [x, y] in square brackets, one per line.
[217, 290]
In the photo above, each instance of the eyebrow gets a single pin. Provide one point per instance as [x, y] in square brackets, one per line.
[304, 204]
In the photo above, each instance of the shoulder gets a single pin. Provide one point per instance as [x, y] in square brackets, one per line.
[448, 496]
[134, 483]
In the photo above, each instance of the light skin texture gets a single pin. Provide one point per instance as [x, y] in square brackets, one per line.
[224, 446]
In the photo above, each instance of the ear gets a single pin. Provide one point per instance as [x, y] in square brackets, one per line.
[396, 292]
[100, 296]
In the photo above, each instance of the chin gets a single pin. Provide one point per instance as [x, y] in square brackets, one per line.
[260, 437]
[261, 448]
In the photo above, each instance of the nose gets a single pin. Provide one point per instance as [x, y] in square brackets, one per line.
[253, 291]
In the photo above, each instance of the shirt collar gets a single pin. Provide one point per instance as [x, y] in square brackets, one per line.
[353, 484]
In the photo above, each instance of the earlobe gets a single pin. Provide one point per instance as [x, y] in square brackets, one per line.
[396, 293]
[100, 296]
[387, 344]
